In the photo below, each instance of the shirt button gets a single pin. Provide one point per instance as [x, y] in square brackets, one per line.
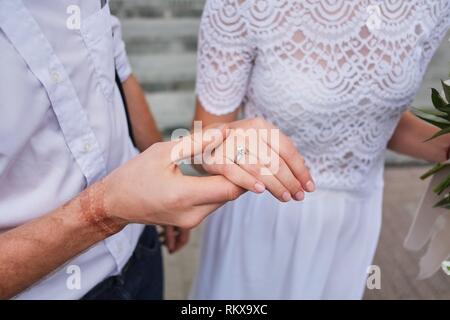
[55, 76]
[87, 147]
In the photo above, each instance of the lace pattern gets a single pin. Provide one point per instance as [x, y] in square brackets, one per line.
[321, 72]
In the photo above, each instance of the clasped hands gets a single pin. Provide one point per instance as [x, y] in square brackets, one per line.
[247, 155]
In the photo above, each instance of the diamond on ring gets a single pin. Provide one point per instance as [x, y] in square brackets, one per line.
[240, 152]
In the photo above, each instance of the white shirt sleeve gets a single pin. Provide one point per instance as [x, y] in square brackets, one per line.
[123, 66]
[225, 56]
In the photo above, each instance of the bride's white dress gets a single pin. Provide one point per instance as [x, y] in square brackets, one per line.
[334, 75]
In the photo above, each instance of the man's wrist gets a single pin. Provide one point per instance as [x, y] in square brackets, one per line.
[95, 210]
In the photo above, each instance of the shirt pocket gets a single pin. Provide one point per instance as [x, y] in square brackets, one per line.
[96, 31]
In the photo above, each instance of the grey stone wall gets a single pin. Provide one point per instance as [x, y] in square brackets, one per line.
[157, 8]
[161, 41]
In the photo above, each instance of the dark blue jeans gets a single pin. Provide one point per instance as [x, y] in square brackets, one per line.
[142, 276]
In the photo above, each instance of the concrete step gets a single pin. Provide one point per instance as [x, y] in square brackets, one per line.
[163, 72]
[150, 36]
[172, 109]
[157, 8]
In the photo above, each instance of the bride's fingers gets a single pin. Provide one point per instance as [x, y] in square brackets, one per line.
[237, 175]
[278, 167]
[301, 171]
[272, 184]
[259, 152]
[289, 153]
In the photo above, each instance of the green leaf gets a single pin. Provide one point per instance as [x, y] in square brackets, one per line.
[446, 90]
[436, 123]
[442, 185]
[439, 133]
[446, 109]
[436, 168]
[444, 202]
[444, 206]
[438, 102]
[429, 111]
[432, 114]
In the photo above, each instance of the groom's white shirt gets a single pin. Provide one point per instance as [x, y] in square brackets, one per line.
[62, 124]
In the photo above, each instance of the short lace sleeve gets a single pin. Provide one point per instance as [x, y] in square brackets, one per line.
[225, 56]
[438, 20]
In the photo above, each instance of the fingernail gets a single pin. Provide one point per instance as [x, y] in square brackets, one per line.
[286, 196]
[310, 187]
[259, 187]
[299, 196]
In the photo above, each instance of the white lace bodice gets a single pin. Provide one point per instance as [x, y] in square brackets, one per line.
[334, 75]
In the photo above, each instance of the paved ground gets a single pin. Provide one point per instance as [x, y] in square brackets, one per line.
[398, 266]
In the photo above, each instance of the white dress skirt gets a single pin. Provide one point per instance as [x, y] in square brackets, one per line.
[258, 248]
[335, 76]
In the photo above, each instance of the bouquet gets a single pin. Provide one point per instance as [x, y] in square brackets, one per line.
[439, 116]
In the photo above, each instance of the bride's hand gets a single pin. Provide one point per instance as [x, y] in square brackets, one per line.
[257, 156]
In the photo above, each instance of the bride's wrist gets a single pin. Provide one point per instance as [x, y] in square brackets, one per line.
[445, 142]
[443, 145]
[447, 153]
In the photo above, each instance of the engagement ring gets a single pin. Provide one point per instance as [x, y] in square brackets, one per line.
[240, 152]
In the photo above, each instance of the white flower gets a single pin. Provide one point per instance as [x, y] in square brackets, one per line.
[446, 267]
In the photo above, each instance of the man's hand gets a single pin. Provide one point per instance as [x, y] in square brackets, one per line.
[151, 189]
[148, 189]
[254, 160]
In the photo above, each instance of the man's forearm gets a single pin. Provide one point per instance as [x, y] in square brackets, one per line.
[410, 138]
[148, 189]
[33, 250]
